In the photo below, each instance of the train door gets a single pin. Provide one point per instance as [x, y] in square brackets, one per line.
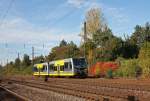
[68, 70]
[39, 66]
[59, 67]
[35, 70]
[52, 69]
[44, 69]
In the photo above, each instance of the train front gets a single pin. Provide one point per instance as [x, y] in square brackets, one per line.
[80, 67]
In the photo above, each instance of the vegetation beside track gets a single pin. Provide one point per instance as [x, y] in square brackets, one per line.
[132, 53]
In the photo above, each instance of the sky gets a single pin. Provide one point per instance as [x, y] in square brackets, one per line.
[42, 24]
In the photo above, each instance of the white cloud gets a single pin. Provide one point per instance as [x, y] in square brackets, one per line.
[20, 30]
[76, 3]
[16, 32]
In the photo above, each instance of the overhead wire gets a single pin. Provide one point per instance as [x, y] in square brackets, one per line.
[51, 25]
[6, 13]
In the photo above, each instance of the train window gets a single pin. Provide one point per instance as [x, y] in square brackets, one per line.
[61, 68]
[51, 67]
[55, 68]
[70, 65]
[80, 63]
[67, 66]
[35, 69]
[44, 69]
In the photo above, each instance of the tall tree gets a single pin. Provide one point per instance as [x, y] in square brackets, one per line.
[26, 60]
[63, 43]
[17, 62]
[140, 34]
[101, 37]
[67, 50]
[94, 21]
[39, 59]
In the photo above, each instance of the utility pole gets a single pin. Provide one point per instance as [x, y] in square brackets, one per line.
[19, 59]
[7, 65]
[7, 62]
[85, 37]
[1, 63]
[32, 55]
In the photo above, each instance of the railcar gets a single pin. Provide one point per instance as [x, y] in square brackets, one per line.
[66, 67]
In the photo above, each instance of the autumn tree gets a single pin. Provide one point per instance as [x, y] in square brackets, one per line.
[94, 21]
[64, 50]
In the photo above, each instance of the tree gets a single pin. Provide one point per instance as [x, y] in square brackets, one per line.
[1, 66]
[101, 37]
[26, 60]
[129, 50]
[94, 21]
[39, 59]
[140, 34]
[72, 50]
[62, 51]
[17, 63]
[63, 43]
[144, 59]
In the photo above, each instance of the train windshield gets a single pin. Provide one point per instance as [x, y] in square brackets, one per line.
[35, 69]
[80, 63]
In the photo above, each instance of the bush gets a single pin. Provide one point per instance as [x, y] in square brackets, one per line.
[127, 68]
[144, 59]
[97, 72]
[17, 71]
[101, 68]
[109, 73]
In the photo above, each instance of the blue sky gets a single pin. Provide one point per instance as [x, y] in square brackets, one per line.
[38, 22]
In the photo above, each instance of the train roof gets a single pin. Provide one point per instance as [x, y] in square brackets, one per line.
[66, 60]
[52, 62]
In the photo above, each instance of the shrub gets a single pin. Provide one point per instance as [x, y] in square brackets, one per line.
[127, 68]
[97, 72]
[101, 68]
[109, 73]
[144, 59]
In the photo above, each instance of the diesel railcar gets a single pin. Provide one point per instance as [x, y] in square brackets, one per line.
[66, 67]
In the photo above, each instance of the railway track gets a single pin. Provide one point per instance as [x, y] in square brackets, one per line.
[8, 95]
[90, 92]
[74, 91]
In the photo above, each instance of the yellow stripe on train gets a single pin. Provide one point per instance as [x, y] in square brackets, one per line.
[53, 74]
[39, 66]
[59, 63]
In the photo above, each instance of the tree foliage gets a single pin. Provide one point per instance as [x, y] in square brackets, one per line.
[94, 21]
[26, 60]
[144, 59]
[101, 44]
[63, 43]
[141, 34]
[68, 50]
[17, 63]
